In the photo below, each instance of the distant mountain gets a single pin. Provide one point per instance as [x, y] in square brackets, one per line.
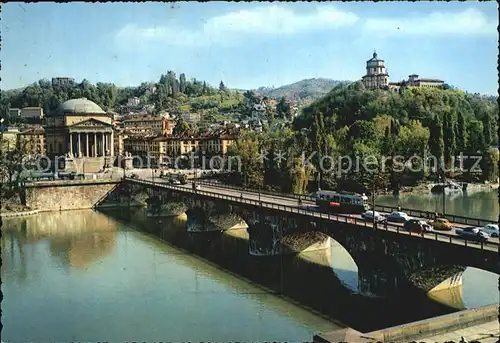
[302, 91]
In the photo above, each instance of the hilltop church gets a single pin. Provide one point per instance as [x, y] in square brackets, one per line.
[377, 77]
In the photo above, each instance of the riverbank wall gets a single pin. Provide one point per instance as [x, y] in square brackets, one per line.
[422, 328]
[67, 194]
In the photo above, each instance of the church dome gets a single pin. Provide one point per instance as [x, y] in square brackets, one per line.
[80, 106]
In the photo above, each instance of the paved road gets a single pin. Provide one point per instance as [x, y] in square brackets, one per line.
[311, 206]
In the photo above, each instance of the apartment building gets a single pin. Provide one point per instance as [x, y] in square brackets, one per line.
[214, 142]
[159, 124]
[32, 140]
[142, 145]
[32, 114]
[62, 81]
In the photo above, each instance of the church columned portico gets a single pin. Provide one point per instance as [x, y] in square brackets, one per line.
[90, 144]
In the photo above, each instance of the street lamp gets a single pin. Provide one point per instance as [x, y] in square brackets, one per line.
[195, 166]
[444, 186]
[373, 204]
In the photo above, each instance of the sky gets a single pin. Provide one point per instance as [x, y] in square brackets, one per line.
[248, 45]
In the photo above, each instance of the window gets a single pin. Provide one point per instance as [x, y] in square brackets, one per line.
[336, 198]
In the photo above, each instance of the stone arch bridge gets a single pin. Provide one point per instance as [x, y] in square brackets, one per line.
[383, 254]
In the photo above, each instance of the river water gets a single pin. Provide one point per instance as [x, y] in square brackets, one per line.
[89, 276]
[479, 204]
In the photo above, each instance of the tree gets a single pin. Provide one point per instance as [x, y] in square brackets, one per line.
[182, 83]
[487, 130]
[475, 132]
[15, 158]
[436, 140]
[283, 109]
[448, 139]
[298, 177]
[460, 134]
[222, 87]
[489, 165]
[362, 130]
[247, 149]
[180, 127]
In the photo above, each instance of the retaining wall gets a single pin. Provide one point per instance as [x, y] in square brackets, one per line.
[67, 195]
[427, 327]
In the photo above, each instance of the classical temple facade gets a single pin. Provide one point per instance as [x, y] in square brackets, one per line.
[80, 129]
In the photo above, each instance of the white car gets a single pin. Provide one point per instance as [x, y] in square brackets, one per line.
[491, 229]
[368, 215]
[399, 217]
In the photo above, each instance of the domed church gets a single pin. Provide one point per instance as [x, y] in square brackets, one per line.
[79, 129]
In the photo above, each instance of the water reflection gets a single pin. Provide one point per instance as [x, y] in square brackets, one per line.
[74, 241]
[483, 204]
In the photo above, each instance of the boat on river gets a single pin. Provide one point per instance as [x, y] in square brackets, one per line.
[449, 187]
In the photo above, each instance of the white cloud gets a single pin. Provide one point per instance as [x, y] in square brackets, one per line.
[468, 22]
[132, 35]
[228, 28]
[276, 20]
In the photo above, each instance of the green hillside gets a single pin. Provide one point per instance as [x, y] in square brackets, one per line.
[304, 90]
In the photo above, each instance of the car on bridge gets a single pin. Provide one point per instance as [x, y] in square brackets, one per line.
[173, 181]
[398, 217]
[368, 216]
[441, 224]
[491, 229]
[417, 225]
[473, 234]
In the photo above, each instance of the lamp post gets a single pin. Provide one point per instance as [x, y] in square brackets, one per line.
[373, 205]
[444, 201]
[195, 166]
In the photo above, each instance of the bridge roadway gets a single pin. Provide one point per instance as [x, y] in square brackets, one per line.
[310, 208]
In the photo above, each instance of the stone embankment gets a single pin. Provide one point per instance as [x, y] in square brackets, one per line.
[67, 195]
[418, 330]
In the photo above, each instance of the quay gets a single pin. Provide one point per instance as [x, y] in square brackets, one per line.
[473, 324]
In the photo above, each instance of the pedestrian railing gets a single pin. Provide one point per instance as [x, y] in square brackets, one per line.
[382, 208]
[342, 218]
